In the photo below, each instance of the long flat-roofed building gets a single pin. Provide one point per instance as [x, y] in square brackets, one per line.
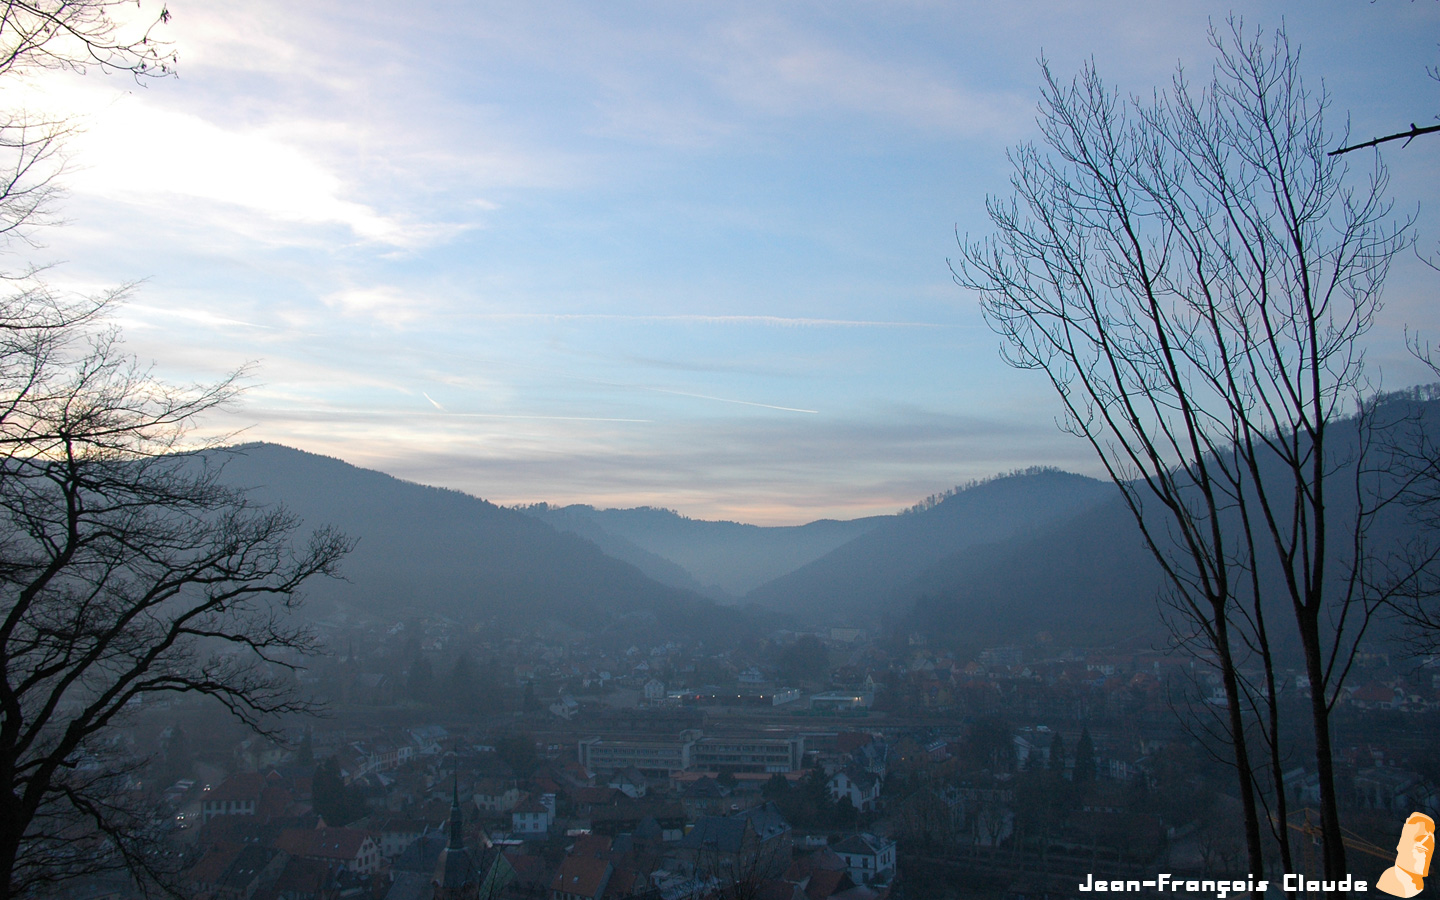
[745, 753]
[662, 757]
[655, 756]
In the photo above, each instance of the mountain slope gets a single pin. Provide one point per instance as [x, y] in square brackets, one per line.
[1088, 579]
[579, 521]
[728, 558]
[856, 578]
[424, 549]
[1092, 579]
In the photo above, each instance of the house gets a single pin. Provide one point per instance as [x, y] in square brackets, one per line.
[629, 782]
[581, 878]
[654, 691]
[1397, 790]
[863, 788]
[397, 833]
[704, 796]
[208, 873]
[252, 866]
[752, 675]
[867, 857]
[566, 707]
[840, 701]
[496, 795]
[530, 817]
[755, 841]
[247, 794]
[350, 848]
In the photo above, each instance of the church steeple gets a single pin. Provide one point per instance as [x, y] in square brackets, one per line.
[457, 877]
[457, 818]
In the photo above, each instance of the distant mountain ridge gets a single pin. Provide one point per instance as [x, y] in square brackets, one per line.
[722, 559]
[1004, 559]
[423, 549]
[1092, 578]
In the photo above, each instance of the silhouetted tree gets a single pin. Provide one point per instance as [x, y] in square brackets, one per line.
[518, 752]
[305, 753]
[777, 788]
[989, 745]
[1084, 772]
[1196, 276]
[805, 661]
[420, 681]
[462, 687]
[128, 570]
[334, 801]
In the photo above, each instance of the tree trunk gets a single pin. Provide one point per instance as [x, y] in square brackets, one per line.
[1334, 842]
[1245, 775]
[13, 823]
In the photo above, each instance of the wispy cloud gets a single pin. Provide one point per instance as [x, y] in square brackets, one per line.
[738, 402]
[703, 319]
[772, 64]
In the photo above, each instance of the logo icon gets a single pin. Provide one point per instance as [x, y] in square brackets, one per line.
[1412, 858]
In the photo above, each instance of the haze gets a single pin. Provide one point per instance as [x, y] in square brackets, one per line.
[690, 255]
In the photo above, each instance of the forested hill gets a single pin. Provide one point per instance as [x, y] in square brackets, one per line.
[423, 549]
[1091, 578]
[872, 571]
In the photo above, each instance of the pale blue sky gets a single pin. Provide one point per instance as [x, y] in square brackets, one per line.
[683, 254]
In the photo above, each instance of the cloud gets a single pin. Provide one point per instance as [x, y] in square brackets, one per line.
[767, 470]
[136, 150]
[387, 305]
[772, 66]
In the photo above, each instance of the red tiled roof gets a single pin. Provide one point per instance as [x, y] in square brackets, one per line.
[584, 876]
[826, 882]
[322, 843]
[213, 865]
[244, 786]
[596, 845]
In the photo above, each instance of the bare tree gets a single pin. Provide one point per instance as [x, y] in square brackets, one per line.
[70, 35]
[1407, 136]
[128, 569]
[1195, 274]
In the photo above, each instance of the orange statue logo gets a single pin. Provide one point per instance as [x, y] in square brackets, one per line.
[1412, 858]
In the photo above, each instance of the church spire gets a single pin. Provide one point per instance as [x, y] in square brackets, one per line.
[457, 820]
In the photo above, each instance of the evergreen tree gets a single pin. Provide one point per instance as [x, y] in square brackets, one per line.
[777, 788]
[461, 687]
[334, 801]
[420, 681]
[518, 752]
[305, 753]
[1056, 762]
[1084, 758]
[805, 661]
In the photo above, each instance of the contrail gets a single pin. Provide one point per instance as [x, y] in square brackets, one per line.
[784, 321]
[741, 402]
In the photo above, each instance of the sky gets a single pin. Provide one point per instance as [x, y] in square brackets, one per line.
[690, 255]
